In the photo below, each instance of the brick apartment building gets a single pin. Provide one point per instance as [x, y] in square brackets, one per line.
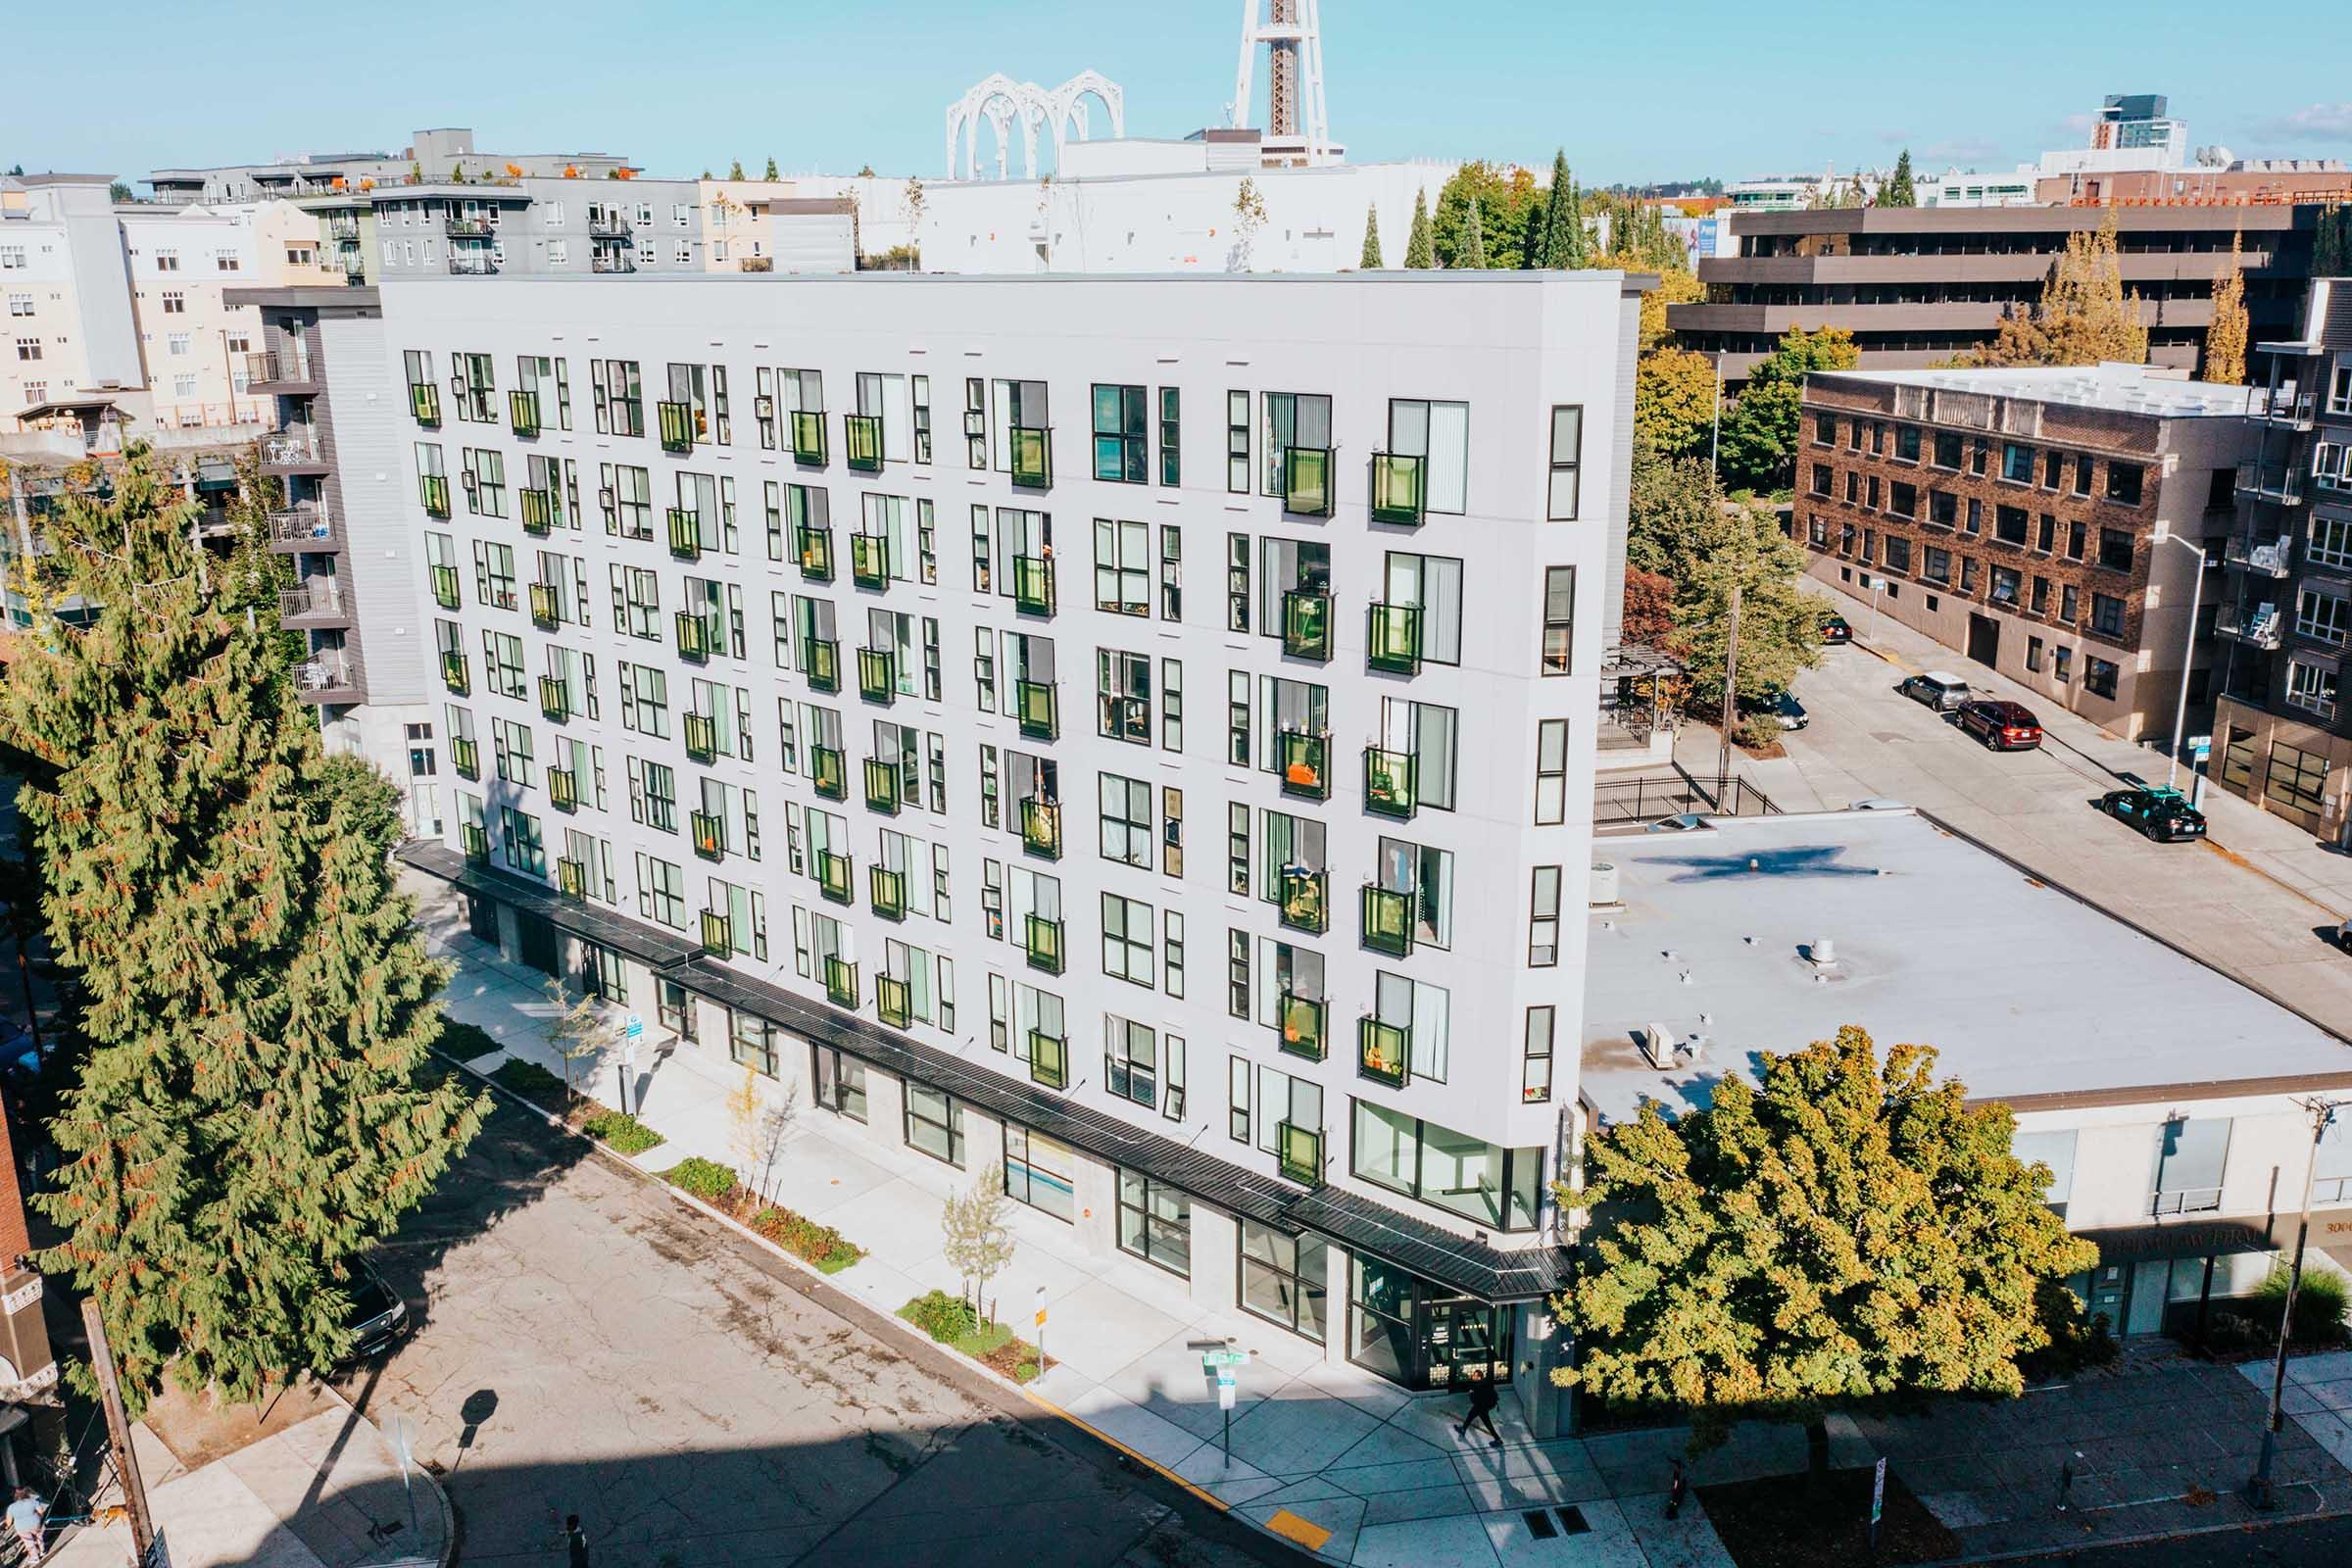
[2020, 518]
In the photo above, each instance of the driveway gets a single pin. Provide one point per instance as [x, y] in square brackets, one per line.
[2252, 901]
[587, 1345]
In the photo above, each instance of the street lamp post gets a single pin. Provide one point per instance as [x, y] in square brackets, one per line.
[2188, 649]
[2258, 1489]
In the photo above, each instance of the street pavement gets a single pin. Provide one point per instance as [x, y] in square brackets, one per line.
[2319, 1543]
[2255, 901]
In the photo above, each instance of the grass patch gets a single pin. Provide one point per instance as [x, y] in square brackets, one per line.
[1778, 1522]
[705, 1179]
[623, 1131]
[950, 1321]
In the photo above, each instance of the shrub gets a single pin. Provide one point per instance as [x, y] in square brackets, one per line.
[946, 1318]
[623, 1131]
[528, 1078]
[705, 1179]
[464, 1040]
[806, 1238]
[2318, 1303]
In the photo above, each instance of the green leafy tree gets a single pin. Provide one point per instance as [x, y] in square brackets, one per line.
[1420, 252]
[2085, 316]
[1505, 203]
[735, 169]
[1676, 286]
[117, 192]
[1671, 505]
[252, 1108]
[1759, 441]
[1370, 260]
[1841, 1230]
[2226, 336]
[771, 169]
[1673, 401]
[1900, 190]
[1474, 243]
[1741, 545]
[2330, 245]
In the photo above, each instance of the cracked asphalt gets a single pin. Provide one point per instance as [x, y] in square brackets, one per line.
[587, 1345]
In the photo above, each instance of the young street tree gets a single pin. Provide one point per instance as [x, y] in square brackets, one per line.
[2226, 337]
[1759, 441]
[1370, 260]
[1843, 1229]
[577, 1032]
[253, 1107]
[975, 1240]
[1419, 252]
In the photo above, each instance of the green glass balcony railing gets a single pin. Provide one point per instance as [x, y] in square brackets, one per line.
[1032, 457]
[816, 553]
[538, 507]
[1397, 488]
[432, 489]
[453, 673]
[677, 426]
[718, 940]
[1048, 1060]
[841, 981]
[476, 839]
[893, 1001]
[808, 436]
[572, 879]
[1380, 1051]
[833, 876]
[1306, 481]
[1039, 716]
[1033, 584]
[869, 560]
[1044, 944]
[1303, 906]
[445, 587]
[563, 789]
[1389, 782]
[555, 698]
[877, 674]
[709, 835]
[1041, 828]
[1388, 920]
[1306, 624]
[882, 785]
[466, 756]
[702, 737]
[820, 661]
[828, 771]
[522, 412]
[1299, 1154]
[1306, 763]
[697, 638]
[1393, 638]
[861, 442]
[424, 404]
[547, 605]
[1301, 1020]
[685, 533]
[888, 890]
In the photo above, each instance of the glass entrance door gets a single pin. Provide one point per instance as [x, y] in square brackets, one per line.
[1420, 1335]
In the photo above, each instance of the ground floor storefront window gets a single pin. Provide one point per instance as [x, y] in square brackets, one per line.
[1412, 1331]
[1283, 1278]
[934, 1124]
[753, 1041]
[1040, 1172]
[1155, 1223]
[841, 1083]
[603, 974]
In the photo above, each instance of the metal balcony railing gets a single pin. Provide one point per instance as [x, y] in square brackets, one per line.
[1396, 489]
[321, 596]
[1381, 1053]
[1388, 920]
[2272, 558]
[323, 672]
[297, 524]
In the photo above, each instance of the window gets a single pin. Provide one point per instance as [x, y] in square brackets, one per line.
[2331, 542]
[1902, 500]
[1823, 474]
[2062, 664]
[1155, 1223]
[2005, 583]
[1935, 565]
[1898, 553]
[2311, 688]
[2099, 676]
[1534, 1073]
[2322, 616]
[1121, 449]
[660, 892]
[1906, 443]
[2123, 483]
[1300, 421]
[1127, 946]
[1494, 1187]
[1825, 430]
[2107, 617]
[2296, 777]
[1552, 771]
[1126, 820]
[1284, 1279]
[2115, 549]
[1236, 442]
[1947, 450]
[1171, 466]
[2017, 463]
[2033, 655]
[1124, 693]
[1171, 571]
[1438, 434]
[1543, 919]
[1122, 568]
[934, 1123]
[2069, 602]
[1130, 1060]
[1559, 618]
[2009, 524]
[1567, 448]
[2191, 1154]
[1041, 1172]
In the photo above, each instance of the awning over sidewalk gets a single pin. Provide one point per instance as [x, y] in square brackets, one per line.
[2215, 1238]
[1458, 1263]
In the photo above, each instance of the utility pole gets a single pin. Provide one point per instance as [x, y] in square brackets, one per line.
[2258, 1489]
[1715, 419]
[1731, 700]
[118, 1429]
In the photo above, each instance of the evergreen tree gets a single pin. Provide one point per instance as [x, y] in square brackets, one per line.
[1900, 189]
[771, 169]
[1419, 253]
[1474, 243]
[1370, 260]
[2226, 337]
[251, 1110]
[2331, 245]
[1557, 239]
[735, 169]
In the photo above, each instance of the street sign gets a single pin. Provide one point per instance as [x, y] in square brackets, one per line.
[2200, 747]
[634, 1030]
[1041, 1306]
[1878, 1494]
[1215, 1360]
[1225, 1391]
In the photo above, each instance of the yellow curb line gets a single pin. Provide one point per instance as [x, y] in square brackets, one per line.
[1050, 1409]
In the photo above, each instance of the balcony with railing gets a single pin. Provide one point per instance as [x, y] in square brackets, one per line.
[809, 444]
[466, 756]
[610, 226]
[276, 371]
[1302, 904]
[445, 586]
[1387, 914]
[1299, 1020]
[455, 673]
[1381, 1051]
[2258, 627]
[882, 786]
[886, 889]
[820, 661]
[295, 450]
[877, 675]
[304, 526]
[1391, 781]
[710, 831]
[833, 876]
[472, 260]
[893, 1001]
[1032, 457]
[563, 789]
[702, 737]
[1041, 828]
[2268, 557]
[1304, 760]
[317, 602]
[572, 879]
[325, 677]
[841, 981]
[2277, 484]
[861, 442]
[1039, 713]
[2289, 408]
[1042, 942]
[1048, 1060]
[538, 507]
[685, 533]
[424, 404]
[1398, 482]
[555, 698]
[460, 228]
[1306, 481]
[432, 494]
[341, 228]
[676, 425]
[1306, 624]
[869, 560]
[1299, 1154]
[698, 639]
[610, 259]
[1033, 584]
[1393, 638]
[829, 772]
[522, 412]
[816, 553]
[718, 940]
[547, 603]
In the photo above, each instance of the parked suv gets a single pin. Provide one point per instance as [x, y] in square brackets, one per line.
[1938, 690]
[2001, 725]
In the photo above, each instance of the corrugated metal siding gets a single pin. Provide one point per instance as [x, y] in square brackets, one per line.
[366, 436]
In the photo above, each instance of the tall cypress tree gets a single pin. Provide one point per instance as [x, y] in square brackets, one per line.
[1370, 260]
[1559, 241]
[250, 1110]
[1420, 249]
[1901, 189]
[1474, 242]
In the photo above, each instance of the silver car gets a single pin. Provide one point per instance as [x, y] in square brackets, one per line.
[1939, 691]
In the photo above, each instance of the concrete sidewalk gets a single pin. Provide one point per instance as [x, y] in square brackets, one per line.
[324, 1493]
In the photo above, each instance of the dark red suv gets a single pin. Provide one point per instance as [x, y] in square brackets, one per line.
[2001, 725]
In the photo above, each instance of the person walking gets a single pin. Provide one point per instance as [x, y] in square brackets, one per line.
[1675, 1487]
[575, 1542]
[1483, 1400]
[26, 1517]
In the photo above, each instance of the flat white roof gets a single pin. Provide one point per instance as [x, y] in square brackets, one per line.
[2022, 990]
[2119, 388]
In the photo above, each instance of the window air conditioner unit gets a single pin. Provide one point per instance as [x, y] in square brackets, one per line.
[763, 407]
[470, 479]
[604, 498]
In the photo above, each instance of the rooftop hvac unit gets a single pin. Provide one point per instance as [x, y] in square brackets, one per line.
[1658, 1045]
[1605, 884]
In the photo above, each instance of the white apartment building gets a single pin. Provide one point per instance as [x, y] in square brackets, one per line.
[1131, 733]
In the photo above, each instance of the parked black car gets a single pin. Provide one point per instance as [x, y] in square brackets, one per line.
[1836, 630]
[378, 1318]
[2162, 815]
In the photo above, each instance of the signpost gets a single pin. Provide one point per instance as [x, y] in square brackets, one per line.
[1041, 1334]
[399, 1431]
[1220, 1364]
[630, 1033]
[1877, 1500]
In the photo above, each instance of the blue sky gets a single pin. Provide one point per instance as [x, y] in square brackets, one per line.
[1674, 88]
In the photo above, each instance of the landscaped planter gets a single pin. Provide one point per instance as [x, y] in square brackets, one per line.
[950, 1321]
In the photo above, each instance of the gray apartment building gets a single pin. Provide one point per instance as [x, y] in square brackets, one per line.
[448, 152]
[2282, 732]
[1916, 285]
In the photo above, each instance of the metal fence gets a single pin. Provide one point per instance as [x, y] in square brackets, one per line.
[1631, 801]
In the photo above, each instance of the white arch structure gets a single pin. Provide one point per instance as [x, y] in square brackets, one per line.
[1000, 101]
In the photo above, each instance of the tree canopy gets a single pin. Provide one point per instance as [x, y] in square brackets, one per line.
[1741, 544]
[2226, 336]
[1504, 204]
[1419, 251]
[1556, 238]
[1370, 260]
[1901, 190]
[1673, 401]
[1474, 241]
[1758, 442]
[1839, 1230]
[2085, 316]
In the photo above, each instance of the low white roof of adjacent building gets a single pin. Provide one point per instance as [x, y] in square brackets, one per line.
[2024, 991]
[2112, 386]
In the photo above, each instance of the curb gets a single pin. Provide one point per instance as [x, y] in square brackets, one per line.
[433, 1483]
[2110, 1542]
